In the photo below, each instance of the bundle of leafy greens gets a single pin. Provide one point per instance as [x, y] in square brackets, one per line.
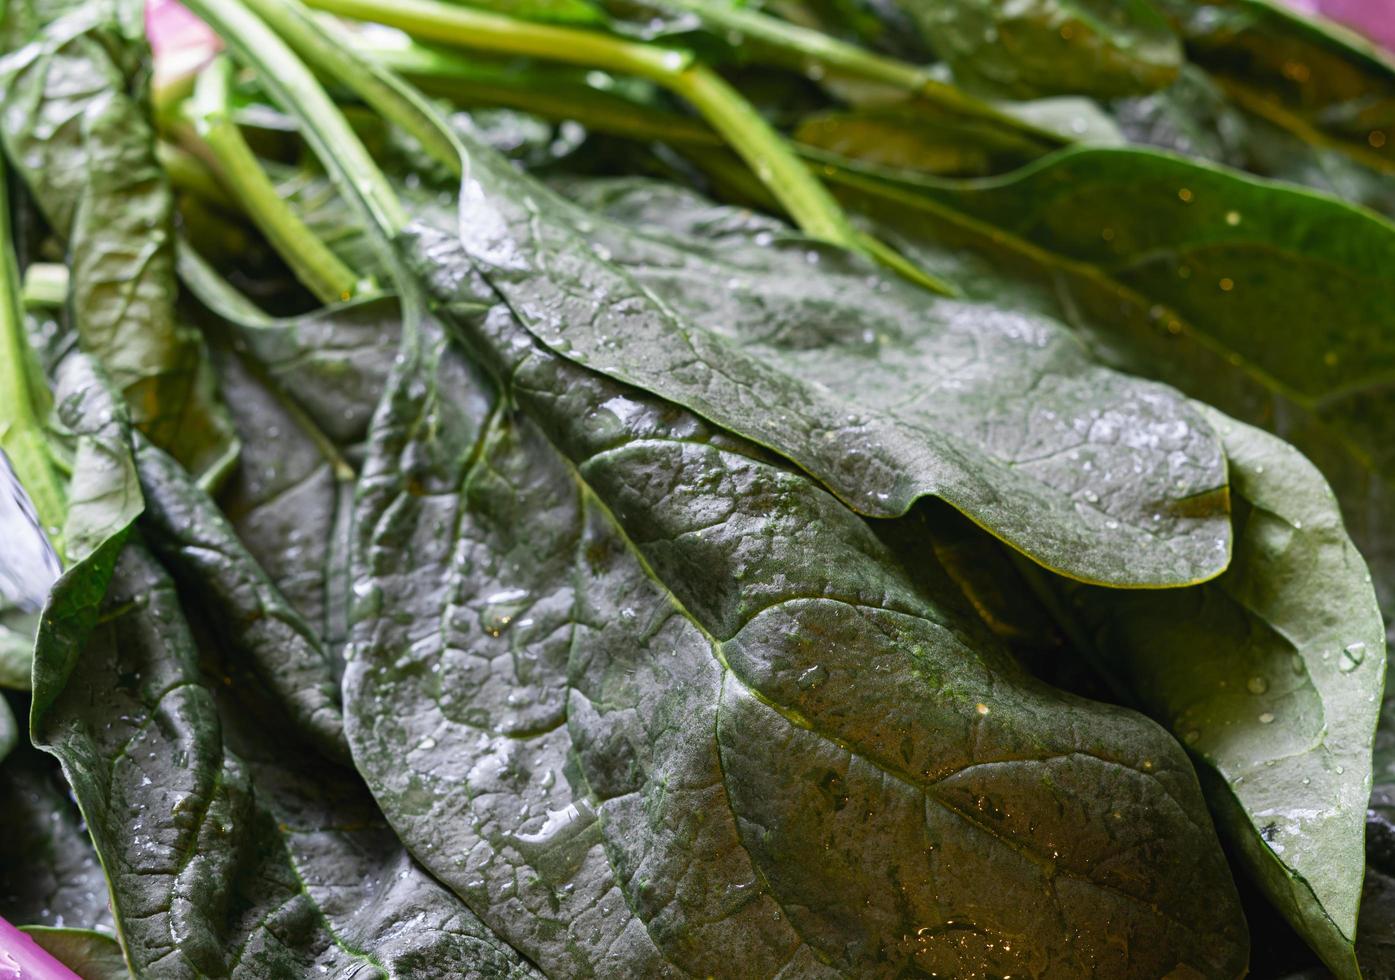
[588, 488]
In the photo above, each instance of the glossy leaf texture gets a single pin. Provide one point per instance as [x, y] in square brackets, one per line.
[301, 391]
[233, 847]
[655, 704]
[939, 405]
[49, 873]
[1308, 76]
[76, 131]
[1290, 635]
[1272, 676]
[1051, 47]
[1171, 269]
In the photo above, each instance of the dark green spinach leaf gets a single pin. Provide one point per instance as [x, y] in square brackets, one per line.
[1051, 47]
[234, 849]
[1272, 677]
[938, 406]
[76, 130]
[1279, 662]
[1180, 282]
[655, 704]
[49, 873]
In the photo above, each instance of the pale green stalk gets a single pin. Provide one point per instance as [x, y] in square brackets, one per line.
[319, 269]
[22, 435]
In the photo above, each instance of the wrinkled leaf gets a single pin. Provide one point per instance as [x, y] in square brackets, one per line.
[49, 873]
[248, 854]
[300, 391]
[1272, 677]
[1270, 302]
[1051, 47]
[284, 652]
[1296, 598]
[76, 131]
[332, 363]
[939, 405]
[654, 704]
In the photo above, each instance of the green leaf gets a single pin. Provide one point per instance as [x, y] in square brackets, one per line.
[49, 873]
[1182, 271]
[1308, 76]
[1272, 676]
[285, 653]
[936, 407]
[1196, 118]
[1294, 616]
[104, 499]
[653, 702]
[301, 391]
[1051, 47]
[331, 363]
[77, 133]
[918, 137]
[91, 955]
[235, 849]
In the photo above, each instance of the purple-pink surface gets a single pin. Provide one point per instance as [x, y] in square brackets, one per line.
[23, 959]
[1374, 18]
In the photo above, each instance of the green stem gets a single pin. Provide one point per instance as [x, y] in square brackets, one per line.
[291, 83]
[328, 48]
[309, 259]
[552, 92]
[463, 27]
[190, 174]
[806, 200]
[774, 160]
[22, 434]
[797, 190]
[903, 266]
[816, 51]
[45, 285]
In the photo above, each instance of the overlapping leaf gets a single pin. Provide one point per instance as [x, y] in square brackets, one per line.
[232, 848]
[727, 349]
[1272, 676]
[1180, 283]
[49, 873]
[1310, 77]
[617, 675]
[1294, 617]
[91, 955]
[75, 130]
[1195, 117]
[1051, 47]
